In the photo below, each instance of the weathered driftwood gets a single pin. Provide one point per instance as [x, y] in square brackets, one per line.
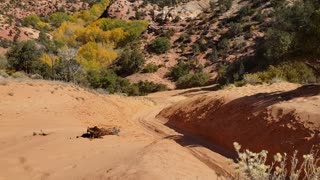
[95, 132]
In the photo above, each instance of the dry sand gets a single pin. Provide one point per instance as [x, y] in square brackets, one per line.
[189, 139]
[65, 111]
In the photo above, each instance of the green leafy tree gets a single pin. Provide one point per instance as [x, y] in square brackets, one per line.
[23, 55]
[278, 44]
[131, 61]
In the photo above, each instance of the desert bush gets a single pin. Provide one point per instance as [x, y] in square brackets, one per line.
[5, 43]
[278, 44]
[3, 62]
[160, 45]
[19, 75]
[251, 79]
[150, 68]
[131, 60]
[245, 11]
[31, 20]
[143, 88]
[184, 38]
[193, 80]
[213, 56]
[57, 18]
[224, 5]
[195, 48]
[296, 72]
[179, 70]
[253, 166]
[224, 45]
[234, 29]
[109, 80]
[35, 21]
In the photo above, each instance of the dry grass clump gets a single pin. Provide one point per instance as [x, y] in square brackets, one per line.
[252, 166]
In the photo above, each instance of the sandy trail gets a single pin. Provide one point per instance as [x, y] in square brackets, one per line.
[144, 149]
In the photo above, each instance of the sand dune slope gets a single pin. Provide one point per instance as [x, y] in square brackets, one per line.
[64, 111]
[183, 134]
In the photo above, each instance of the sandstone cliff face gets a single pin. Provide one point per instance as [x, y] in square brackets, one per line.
[190, 10]
[125, 9]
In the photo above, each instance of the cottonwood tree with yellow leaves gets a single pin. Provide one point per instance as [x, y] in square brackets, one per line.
[93, 56]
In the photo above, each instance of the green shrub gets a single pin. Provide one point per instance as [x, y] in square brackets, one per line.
[195, 48]
[213, 57]
[179, 70]
[19, 75]
[131, 61]
[111, 82]
[184, 38]
[193, 80]
[108, 80]
[278, 44]
[35, 21]
[143, 88]
[225, 5]
[3, 62]
[160, 45]
[224, 45]
[296, 72]
[150, 68]
[31, 20]
[6, 43]
[57, 18]
[252, 79]
[234, 29]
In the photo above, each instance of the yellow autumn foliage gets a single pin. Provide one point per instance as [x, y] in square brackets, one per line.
[96, 38]
[68, 33]
[73, 34]
[94, 56]
[50, 60]
[87, 16]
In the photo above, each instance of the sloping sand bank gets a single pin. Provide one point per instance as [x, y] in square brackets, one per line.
[279, 118]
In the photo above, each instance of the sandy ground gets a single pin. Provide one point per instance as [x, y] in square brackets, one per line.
[145, 148]
[181, 134]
